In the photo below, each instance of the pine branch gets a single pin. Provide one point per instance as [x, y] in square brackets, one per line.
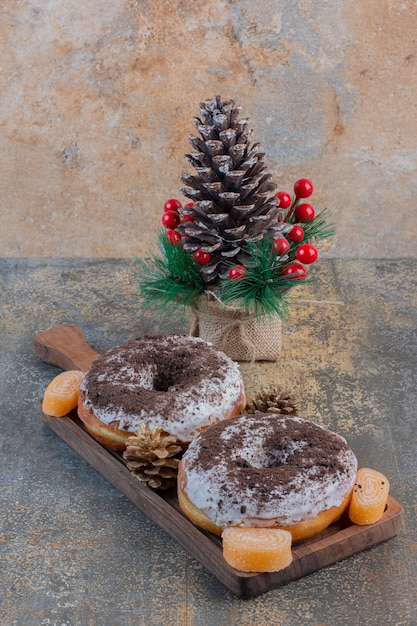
[170, 282]
[318, 228]
[264, 290]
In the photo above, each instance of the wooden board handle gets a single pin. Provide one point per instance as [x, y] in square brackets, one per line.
[64, 346]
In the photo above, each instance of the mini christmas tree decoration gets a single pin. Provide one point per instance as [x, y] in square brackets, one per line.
[237, 247]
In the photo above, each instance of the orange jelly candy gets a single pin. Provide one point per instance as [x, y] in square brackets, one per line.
[257, 549]
[369, 497]
[61, 395]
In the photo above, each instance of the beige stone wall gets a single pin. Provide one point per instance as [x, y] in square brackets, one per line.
[98, 98]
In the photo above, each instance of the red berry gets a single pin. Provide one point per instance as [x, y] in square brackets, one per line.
[187, 218]
[174, 237]
[303, 188]
[295, 270]
[296, 234]
[284, 199]
[190, 204]
[201, 257]
[237, 271]
[307, 253]
[172, 205]
[304, 213]
[170, 219]
[281, 246]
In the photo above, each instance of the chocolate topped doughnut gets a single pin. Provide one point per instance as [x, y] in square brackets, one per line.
[266, 470]
[179, 383]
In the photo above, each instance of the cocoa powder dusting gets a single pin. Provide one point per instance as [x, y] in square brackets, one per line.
[290, 449]
[172, 365]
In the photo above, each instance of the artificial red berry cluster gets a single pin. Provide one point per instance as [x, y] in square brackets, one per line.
[297, 214]
[171, 218]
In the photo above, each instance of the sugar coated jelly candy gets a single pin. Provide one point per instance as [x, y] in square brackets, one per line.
[257, 549]
[369, 497]
[61, 395]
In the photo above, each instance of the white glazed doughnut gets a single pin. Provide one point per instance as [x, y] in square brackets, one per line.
[266, 470]
[179, 383]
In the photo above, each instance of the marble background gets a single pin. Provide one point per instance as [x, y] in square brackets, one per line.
[98, 99]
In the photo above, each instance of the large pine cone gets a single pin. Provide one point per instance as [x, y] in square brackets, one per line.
[234, 200]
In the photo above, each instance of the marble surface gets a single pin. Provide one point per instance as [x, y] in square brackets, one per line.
[98, 101]
[74, 551]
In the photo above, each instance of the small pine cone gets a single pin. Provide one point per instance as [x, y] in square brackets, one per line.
[272, 400]
[150, 457]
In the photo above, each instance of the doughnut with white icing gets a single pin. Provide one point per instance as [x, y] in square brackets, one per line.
[179, 383]
[266, 470]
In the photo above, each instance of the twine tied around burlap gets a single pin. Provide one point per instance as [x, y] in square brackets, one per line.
[241, 336]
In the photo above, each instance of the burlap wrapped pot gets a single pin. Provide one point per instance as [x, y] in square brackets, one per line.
[242, 337]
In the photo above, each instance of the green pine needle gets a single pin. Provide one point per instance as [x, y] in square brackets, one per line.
[264, 290]
[318, 228]
[170, 282]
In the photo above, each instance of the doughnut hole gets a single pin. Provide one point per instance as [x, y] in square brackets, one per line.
[172, 374]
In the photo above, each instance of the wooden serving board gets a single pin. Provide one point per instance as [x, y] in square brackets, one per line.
[65, 346]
